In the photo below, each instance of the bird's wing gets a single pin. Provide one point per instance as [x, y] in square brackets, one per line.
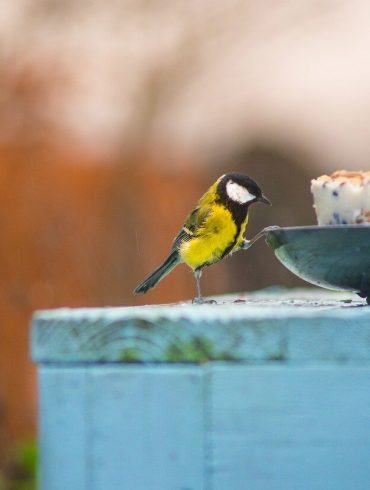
[194, 222]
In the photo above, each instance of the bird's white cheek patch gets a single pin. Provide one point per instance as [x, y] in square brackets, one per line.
[238, 193]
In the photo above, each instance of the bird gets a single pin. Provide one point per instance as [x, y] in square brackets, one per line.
[214, 229]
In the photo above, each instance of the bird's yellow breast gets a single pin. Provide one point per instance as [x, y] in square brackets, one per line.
[211, 240]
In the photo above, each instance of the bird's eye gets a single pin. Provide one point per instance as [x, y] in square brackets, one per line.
[238, 193]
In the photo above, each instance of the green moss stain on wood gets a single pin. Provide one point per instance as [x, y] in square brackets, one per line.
[196, 349]
[269, 328]
[130, 354]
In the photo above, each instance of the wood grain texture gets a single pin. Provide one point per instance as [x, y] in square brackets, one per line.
[267, 328]
[281, 428]
[295, 416]
[215, 426]
[113, 427]
[63, 431]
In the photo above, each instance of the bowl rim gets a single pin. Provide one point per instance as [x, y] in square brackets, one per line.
[272, 229]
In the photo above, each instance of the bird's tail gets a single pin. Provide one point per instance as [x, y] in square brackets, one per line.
[156, 276]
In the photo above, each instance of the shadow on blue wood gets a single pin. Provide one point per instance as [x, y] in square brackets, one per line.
[288, 408]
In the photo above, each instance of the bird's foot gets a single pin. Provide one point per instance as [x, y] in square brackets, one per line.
[199, 300]
[245, 244]
[248, 243]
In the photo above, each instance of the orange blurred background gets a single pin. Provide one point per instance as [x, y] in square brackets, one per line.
[114, 118]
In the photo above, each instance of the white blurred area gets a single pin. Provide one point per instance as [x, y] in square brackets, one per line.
[204, 75]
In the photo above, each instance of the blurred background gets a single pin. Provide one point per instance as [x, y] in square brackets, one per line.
[115, 117]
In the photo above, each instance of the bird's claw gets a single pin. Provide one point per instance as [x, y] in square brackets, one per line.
[248, 243]
[245, 244]
[201, 301]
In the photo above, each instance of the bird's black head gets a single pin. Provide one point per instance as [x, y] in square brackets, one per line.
[239, 191]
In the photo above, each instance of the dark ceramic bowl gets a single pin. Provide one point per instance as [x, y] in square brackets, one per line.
[333, 257]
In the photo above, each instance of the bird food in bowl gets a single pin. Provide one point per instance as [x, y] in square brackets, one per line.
[336, 253]
[342, 198]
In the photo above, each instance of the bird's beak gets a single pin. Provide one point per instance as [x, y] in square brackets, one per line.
[264, 200]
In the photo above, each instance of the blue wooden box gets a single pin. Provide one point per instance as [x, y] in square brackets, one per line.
[269, 394]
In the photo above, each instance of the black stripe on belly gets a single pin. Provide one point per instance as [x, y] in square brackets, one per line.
[233, 243]
[226, 251]
[239, 214]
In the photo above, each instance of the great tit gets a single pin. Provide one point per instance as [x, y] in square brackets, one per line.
[213, 230]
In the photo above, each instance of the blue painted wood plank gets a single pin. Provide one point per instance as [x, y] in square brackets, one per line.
[114, 426]
[261, 329]
[63, 429]
[290, 427]
[330, 340]
[146, 428]
[287, 422]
